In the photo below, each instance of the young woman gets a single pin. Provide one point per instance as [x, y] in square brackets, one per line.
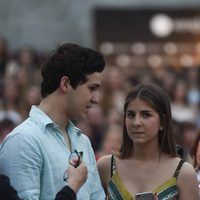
[147, 160]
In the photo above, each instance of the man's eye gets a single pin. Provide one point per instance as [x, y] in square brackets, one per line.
[93, 88]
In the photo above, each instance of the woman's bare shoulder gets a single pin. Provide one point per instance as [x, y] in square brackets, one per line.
[187, 182]
[187, 171]
[104, 162]
[104, 168]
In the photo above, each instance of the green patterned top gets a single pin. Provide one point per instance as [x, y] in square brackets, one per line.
[117, 191]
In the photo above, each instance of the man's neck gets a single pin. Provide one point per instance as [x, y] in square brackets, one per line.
[55, 112]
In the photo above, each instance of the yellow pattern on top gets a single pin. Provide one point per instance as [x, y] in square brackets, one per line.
[126, 195]
[117, 191]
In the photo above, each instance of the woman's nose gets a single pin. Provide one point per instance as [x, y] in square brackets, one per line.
[137, 120]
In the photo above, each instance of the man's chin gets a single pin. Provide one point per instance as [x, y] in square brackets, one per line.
[82, 117]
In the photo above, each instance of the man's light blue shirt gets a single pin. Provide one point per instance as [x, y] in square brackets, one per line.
[35, 156]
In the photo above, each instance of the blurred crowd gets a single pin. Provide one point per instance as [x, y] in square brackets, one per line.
[19, 90]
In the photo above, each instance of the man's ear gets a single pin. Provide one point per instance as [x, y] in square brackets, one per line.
[64, 83]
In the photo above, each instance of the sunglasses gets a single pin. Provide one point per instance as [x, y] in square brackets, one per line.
[75, 160]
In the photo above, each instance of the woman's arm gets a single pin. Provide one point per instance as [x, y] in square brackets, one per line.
[104, 168]
[187, 183]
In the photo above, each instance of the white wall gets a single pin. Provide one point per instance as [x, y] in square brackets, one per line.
[45, 23]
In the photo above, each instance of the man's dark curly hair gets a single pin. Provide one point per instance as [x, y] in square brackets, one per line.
[73, 61]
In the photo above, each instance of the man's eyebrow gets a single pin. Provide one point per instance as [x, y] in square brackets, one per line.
[95, 85]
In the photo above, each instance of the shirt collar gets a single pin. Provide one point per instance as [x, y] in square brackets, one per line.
[42, 119]
[72, 128]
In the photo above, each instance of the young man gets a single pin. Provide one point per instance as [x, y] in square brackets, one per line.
[36, 154]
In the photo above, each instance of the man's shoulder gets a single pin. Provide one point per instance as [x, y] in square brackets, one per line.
[27, 130]
[27, 126]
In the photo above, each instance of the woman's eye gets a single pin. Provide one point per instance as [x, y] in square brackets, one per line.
[146, 114]
[130, 115]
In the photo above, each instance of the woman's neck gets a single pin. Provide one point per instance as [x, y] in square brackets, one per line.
[146, 152]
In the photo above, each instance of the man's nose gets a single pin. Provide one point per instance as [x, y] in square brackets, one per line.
[95, 98]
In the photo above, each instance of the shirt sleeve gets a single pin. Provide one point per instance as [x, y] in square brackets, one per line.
[66, 193]
[21, 161]
[94, 182]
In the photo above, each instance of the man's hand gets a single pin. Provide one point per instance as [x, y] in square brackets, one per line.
[77, 176]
